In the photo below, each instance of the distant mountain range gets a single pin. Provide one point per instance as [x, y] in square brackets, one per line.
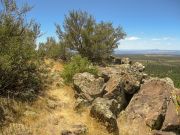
[143, 52]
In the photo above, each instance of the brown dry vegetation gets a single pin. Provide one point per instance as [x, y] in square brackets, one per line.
[54, 111]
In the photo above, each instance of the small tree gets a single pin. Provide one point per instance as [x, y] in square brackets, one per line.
[93, 40]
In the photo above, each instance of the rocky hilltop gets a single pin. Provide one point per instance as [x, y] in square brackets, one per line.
[127, 101]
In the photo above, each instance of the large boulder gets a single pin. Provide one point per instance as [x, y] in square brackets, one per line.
[104, 110]
[88, 86]
[172, 118]
[147, 108]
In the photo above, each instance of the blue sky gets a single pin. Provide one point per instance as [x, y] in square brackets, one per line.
[149, 24]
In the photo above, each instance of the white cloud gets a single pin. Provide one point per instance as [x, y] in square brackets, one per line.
[162, 39]
[132, 38]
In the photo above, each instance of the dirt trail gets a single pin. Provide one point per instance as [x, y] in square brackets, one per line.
[55, 112]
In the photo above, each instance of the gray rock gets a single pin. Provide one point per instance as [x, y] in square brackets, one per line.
[147, 108]
[104, 110]
[87, 84]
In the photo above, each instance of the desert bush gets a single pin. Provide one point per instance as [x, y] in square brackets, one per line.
[77, 65]
[20, 75]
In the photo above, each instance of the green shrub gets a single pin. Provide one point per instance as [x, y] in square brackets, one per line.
[77, 65]
[20, 75]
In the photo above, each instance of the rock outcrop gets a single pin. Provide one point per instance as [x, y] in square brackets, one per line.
[147, 108]
[128, 102]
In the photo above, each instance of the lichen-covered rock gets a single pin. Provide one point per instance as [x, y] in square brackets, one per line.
[104, 110]
[147, 108]
[87, 84]
[137, 66]
[75, 130]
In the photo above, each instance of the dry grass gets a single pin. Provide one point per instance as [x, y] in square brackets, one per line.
[40, 119]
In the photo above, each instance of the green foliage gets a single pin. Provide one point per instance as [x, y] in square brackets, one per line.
[77, 65]
[165, 71]
[93, 40]
[19, 68]
[53, 49]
